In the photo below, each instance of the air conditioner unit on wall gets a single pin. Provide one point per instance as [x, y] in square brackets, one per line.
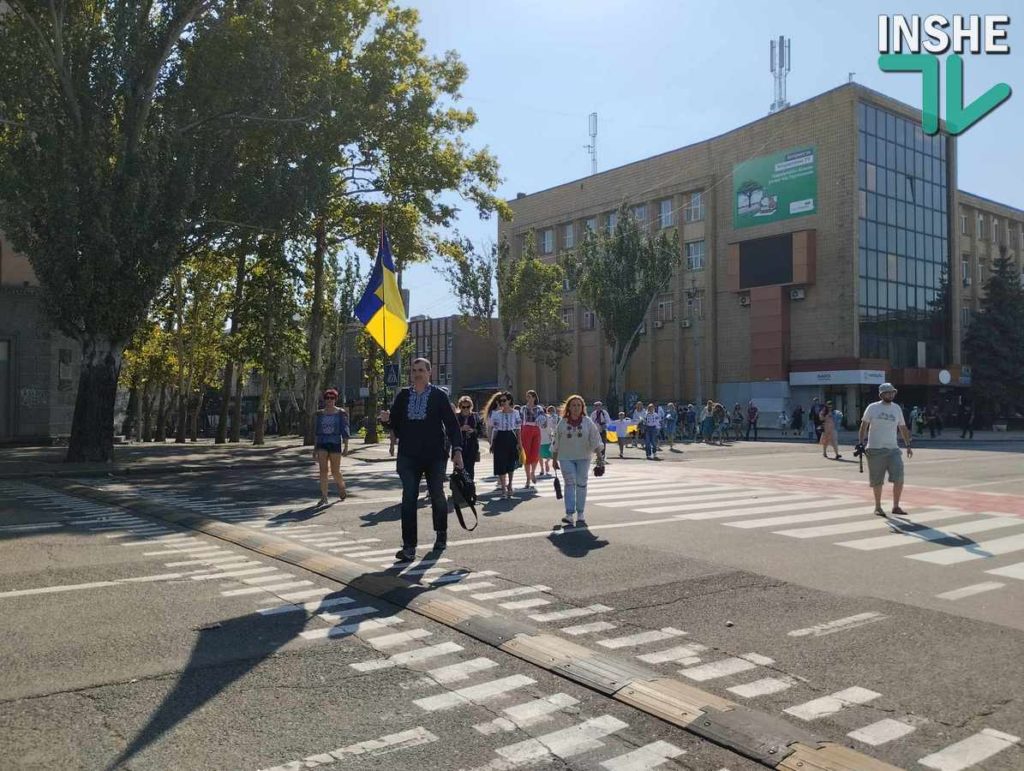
[797, 293]
[659, 324]
[744, 300]
[684, 323]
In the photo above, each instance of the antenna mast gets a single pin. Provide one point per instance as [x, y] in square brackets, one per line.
[592, 147]
[780, 65]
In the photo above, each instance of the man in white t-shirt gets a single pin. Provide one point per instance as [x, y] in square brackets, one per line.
[880, 423]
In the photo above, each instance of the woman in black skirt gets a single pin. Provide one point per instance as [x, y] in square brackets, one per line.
[470, 442]
[503, 425]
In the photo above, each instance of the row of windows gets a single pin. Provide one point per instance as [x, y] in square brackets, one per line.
[889, 127]
[914, 191]
[693, 211]
[905, 216]
[901, 159]
[1006, 236]
[902, 348]
[889, 238]
[664, 311]
[893, 267]
[879, 297]
[693, 251]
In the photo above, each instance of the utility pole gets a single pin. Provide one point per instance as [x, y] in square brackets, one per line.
[692, 294]
[592, 147]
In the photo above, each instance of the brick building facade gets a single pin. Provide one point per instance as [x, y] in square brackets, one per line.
[844, 292]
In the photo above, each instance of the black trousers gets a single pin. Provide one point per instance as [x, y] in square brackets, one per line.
[410, 471]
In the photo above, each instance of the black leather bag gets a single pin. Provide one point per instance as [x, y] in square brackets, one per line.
[463, 496]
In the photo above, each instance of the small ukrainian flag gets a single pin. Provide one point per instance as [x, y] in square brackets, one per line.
[381, 309]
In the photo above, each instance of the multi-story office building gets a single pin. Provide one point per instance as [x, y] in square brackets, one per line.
[823, 252]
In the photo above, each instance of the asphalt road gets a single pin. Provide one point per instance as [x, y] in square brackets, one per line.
[756, 572]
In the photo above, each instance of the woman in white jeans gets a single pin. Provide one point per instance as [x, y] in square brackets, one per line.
[576, 438]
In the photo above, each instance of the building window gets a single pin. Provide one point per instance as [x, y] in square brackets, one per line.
[694, 251]
[569, 318]
[589, 320]
[981, 226]
[569, 236]
[1020, 237]
[449, 342]
[694, 209]
[442, 373]
[965, 319]
[963, 224]
[547, 241]
[665, 311]
[665, 213]
[640, 214]
[566, 285]
[611, 221]
[590, 224]
[965, 269]
[995, 229]
[695, 305]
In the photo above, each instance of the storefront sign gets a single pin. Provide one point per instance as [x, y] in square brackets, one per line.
[838, 377]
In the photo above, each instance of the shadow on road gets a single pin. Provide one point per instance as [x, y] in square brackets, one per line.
[576, 542]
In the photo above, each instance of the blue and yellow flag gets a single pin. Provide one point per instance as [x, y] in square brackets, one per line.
[381, 309]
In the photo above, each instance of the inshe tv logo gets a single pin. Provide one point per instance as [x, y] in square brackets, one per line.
[910, 44]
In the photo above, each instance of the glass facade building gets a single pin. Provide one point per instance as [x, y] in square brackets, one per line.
[903, 241]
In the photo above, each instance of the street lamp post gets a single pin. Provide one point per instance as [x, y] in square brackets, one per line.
[691, 294]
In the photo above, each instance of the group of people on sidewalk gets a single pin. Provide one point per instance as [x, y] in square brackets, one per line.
[429, 430]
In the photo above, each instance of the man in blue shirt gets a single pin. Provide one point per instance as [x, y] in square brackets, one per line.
[424, 423]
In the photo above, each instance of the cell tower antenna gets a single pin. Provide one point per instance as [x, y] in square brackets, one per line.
[780, 65]
[592, 147]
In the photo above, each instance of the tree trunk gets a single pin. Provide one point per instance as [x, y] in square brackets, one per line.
[259, 425]
[225, 401]
[236, 414]
[316, 330]
[193, 429]
[147, 414]
[92, 428]
[138, 413]
[128, 424]
[161, 416]
[229, 369]
[182, 420]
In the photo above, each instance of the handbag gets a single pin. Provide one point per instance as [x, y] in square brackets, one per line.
[522, 456]
[463, 496]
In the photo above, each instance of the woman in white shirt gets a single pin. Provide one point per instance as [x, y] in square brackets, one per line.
[503, 426]
[547, 435]
[576, 439]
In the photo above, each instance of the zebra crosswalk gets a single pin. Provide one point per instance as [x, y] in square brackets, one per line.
[939, 536]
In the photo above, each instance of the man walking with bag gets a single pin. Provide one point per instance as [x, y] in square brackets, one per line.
[423, 421]
[880, 423]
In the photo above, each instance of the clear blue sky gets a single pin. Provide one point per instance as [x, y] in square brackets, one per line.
[662, 74]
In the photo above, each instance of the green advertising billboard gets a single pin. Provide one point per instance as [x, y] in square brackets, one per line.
[775, 187]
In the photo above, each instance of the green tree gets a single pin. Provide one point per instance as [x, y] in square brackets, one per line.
[527, 294]
[617, 276]
[994, 344]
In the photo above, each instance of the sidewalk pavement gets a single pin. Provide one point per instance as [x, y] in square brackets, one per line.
[168, 457]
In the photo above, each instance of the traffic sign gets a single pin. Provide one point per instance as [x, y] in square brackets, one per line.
[391, 376]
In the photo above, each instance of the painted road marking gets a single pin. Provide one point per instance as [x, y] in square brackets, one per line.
[908, 536]
[510, 592]
[737, 497]
[677, 653]
[649, 756]
[30, 528]
[286, 585]
[397, 638]
[876, 523]
[839, 625]
[762, 687]
[627, 498]
[565, 743]
[826, 506]
[641, 638]
[472, 693]
[468, 587]
[974, 551]
[343, 630]
[408, 657]
[973, 589]
[829, 705]
[461, 671]
[730, 666]
[524, 604]
[527, 714]
[240, 592]
[90, 585]
[562, 615]
[790, 519]
[1010, 571]
[881, 732]
[970, 751]
[233, 573]
[390, 743]
[595, 626]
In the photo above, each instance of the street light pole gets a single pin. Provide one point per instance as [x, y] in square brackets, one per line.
[691, 295]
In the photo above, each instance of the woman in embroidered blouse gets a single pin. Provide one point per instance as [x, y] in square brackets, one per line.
[503, 425]
[533, 417]
[577, 437]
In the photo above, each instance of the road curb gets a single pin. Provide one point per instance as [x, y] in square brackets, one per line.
[764, 738]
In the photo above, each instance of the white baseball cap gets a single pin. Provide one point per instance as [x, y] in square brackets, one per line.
[886, 388]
